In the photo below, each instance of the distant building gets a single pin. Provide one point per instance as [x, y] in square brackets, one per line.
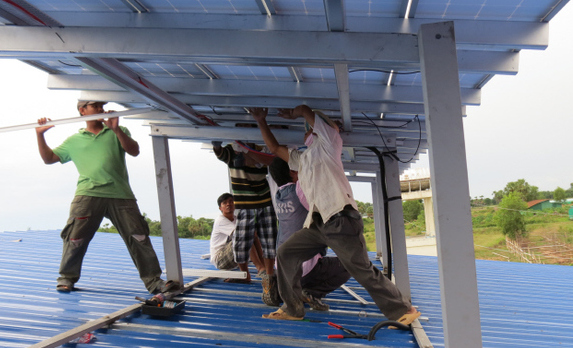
[541, 204]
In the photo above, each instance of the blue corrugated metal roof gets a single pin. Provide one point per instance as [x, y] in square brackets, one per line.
[522, 305]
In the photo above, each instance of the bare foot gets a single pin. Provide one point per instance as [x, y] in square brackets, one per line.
[412, 310]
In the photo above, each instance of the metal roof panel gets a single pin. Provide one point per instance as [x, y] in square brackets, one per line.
[521, 305]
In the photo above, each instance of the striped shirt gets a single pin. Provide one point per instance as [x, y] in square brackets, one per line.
[249, 184]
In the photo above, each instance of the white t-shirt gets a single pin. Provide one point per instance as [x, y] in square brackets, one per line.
[222, 229]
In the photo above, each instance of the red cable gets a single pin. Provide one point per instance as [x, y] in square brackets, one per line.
[25, 11]
[253, 150]
[206, 119]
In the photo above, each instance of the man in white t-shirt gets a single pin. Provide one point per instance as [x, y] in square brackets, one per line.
[221, 244]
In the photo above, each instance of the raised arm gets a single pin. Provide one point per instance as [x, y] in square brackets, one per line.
[127, 143]
[300, 111]
[48, 156]
[260, 158]
[307, 113]
[260, 115]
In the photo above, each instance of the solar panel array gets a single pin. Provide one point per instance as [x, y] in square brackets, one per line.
[187, 41]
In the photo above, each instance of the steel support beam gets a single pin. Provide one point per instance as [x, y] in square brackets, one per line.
[276, 103]
[346, 92]
[167, 213]
[196, 45]
[398, 234]
[449, 181]
[284, 136]
[266, 7]
[379, 225]
[118, 73]
[343, 87]
[334, 10]
[501, 34]
[21, 12]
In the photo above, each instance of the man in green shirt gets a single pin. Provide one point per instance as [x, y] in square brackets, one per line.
[103, 190]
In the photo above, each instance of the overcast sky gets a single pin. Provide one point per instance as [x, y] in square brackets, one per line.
[523, 129]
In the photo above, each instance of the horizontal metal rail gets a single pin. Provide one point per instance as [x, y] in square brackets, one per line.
[353, 294]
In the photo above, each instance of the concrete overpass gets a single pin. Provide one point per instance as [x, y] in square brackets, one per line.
[415, 184]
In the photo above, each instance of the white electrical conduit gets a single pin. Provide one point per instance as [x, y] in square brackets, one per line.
[78, 119]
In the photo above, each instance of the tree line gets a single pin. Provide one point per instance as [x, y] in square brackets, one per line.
[511, 202]
[189, 227]
[510, 207]
[528, 193]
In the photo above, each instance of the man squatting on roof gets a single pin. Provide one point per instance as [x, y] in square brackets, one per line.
[221, 242]
[320, 275]
[333, 220]
[255, 213]
[103, 190]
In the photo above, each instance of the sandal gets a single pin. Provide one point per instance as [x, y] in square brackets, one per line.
[281, 315]
[170, 285]
[64, 287]
[407, 319]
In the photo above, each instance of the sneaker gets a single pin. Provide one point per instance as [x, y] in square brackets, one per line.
[270, 290]
[313, 302]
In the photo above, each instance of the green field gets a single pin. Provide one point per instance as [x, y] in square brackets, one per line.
[549, 239]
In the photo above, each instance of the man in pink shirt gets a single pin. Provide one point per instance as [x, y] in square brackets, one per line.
[333, 220]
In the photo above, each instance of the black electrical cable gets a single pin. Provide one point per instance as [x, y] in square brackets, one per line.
[216, 113]
[386, 71]
[381, 324]
[68, 64]
[371, 121]
[392, 152]
[385, 202]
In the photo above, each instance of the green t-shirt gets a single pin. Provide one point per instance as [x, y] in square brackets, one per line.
[100, 161]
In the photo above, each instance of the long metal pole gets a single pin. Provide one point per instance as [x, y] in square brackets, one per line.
[78, 119]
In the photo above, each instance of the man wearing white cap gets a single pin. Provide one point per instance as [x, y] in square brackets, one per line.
[103, 190]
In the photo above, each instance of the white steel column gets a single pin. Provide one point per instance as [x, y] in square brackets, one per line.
[167, 214]
[379, 227]
[449, 180]
[398, 234]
